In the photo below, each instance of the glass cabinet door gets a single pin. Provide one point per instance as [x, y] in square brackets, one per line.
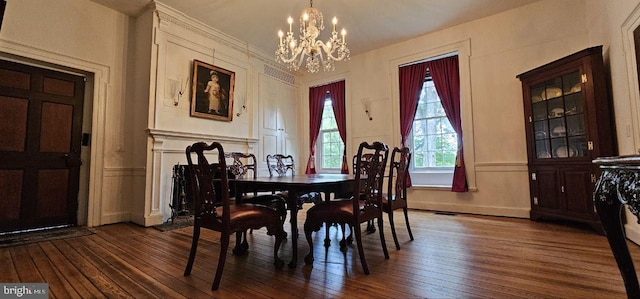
[558, 118]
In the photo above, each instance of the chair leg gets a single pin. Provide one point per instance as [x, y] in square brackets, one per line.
[327, 240]
[224, 246]
[343, 242]
[406, 220]
[308, 259]
[393, 229]
[280, 235]
[192, 252]
[242, 246]
[358, 232]
[371, 228]
[384, 243]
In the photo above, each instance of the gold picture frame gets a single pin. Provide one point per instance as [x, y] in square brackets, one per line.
[212, 92]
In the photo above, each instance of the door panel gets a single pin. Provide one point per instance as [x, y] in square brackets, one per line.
[40, 139]
[578, 189]
[11, 185]
[13, 123]
[55, 128]
[548, 194]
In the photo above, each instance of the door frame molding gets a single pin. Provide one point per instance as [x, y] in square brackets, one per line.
[96, 93]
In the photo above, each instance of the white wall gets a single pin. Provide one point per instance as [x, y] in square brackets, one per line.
[138, 134]
[177, 41]
[501, 47]
[606, 26]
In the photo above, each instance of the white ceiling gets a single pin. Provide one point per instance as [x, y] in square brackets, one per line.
[370, 24]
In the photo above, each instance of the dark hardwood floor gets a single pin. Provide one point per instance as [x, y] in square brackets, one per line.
[461, 256]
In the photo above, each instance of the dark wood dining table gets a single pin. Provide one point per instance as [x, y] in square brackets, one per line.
[619, 185]
[296, 185]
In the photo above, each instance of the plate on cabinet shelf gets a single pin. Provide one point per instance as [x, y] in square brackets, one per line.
[558, 131]
[576, 88]
[551, 92]
[564, 151]
[556, 112]
[541, 134]
[542, 155]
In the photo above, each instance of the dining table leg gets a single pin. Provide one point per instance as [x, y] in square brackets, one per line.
[293, 211]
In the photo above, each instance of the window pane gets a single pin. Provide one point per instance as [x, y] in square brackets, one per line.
[433, 126]
[329, 142]
[433, 139]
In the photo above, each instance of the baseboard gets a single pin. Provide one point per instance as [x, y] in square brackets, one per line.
[116, 218]
[471, 209]
[633, 233]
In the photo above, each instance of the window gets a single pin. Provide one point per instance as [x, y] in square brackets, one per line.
[425, 177]
[433, 139]
[330, 146]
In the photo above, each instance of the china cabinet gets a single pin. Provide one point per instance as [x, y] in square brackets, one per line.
[568, 123]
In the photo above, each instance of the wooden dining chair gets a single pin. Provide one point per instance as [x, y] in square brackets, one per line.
[207, 180]
[284, 165]
[245, 165]
[365, 204]
[396, 196]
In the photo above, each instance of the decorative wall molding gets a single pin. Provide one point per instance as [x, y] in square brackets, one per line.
[124, 171]
[502, 167]
[188, 136]
[168, 15]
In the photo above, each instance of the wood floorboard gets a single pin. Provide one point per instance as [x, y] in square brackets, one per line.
[100, 280]
[59, 287]
[462, 256]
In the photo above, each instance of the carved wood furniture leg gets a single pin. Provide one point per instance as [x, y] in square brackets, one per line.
[293, 207]
[614, 188]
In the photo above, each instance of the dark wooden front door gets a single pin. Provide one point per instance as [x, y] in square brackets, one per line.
[40, 139]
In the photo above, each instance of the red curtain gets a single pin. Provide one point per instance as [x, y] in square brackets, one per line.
[446, 79]
[411, 80]
[316, 105]
[336, 92]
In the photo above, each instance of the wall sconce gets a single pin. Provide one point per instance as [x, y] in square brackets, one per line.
[367, 107]
[243, 109]
[176, 89]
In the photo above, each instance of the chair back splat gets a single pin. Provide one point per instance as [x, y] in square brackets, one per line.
[280, 165]
[283, 165]
[210, 182]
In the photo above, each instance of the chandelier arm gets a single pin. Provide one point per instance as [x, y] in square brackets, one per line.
[299, 63]
[330, 51]
[294, 55]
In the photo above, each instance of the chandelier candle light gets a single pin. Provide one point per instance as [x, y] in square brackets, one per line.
[292, 52]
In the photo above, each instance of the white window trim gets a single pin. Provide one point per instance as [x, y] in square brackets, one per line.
[628, 41]
[463, 50]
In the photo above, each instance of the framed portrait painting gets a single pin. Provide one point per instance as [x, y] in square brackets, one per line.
[212, 92]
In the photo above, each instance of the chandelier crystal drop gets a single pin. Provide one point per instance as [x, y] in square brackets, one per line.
[292, 51]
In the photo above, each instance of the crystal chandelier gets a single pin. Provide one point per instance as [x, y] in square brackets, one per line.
[292, 52]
